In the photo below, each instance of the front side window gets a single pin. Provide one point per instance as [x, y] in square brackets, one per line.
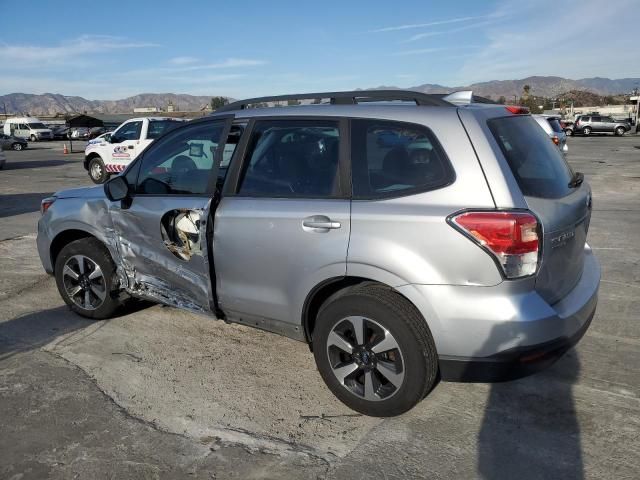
[129, 131]
[180, 163]
[394, 158]
[37, 126]
[292, 158]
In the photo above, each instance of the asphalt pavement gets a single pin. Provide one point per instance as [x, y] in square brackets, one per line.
[161, 393]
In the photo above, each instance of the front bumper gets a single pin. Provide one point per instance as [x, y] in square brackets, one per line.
[43, 242]
[489, 334]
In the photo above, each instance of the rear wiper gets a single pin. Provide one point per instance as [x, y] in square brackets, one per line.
[576, 180]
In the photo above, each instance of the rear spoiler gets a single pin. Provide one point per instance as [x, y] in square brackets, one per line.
[465, 97]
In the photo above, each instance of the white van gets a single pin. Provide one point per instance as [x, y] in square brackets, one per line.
[29, 128]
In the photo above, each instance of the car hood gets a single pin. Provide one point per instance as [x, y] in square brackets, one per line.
[82, 192]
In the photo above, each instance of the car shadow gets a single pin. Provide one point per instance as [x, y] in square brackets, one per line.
[20, 165]
[19, 203]
[529, 429]
[37, 329]
[34, 330]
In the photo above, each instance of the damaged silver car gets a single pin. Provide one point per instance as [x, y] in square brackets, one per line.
[405, 237]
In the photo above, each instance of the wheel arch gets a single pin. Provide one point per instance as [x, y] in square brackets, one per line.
[64, 238]
[90, 157]
[325, 289]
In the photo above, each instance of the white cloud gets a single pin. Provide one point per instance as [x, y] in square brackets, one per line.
[542, 45]
[183, 60]
[25, 55]
[430, 24]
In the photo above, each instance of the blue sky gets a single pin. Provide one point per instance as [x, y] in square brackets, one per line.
[114, 50]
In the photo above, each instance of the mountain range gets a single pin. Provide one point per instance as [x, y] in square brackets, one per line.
[550, 87]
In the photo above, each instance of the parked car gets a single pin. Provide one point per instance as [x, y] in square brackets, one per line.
[3, 159]
[8, 142]
[103, 159]
[466, 260]
[551, 125]
[61, 133]
[588, 124]
[96, 132]
[79, 133]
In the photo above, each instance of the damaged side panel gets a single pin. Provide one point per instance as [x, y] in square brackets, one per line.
[162, 249]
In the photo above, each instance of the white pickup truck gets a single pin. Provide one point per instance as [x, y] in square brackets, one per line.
[113, 153]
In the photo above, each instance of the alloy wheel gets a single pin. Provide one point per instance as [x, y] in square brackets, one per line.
[96, 171]
[365, 358]
[84, 282]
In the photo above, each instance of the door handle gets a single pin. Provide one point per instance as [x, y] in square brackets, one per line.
[319, 223]
[130, 147]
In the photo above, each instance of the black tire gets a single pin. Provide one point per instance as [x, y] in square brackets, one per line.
[586, 131]
[568, 132]
[17, 146]
[620, 131]
[94, 251]
[33, 138]
[97, 171]
[381, 307]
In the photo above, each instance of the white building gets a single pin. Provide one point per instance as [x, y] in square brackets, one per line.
[147, 110]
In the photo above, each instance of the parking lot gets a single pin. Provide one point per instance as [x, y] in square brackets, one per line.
[161, 393]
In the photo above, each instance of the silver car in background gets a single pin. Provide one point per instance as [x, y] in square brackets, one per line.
[551, 125]
[404, 237]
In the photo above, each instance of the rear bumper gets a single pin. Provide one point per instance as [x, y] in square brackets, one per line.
[507, 331]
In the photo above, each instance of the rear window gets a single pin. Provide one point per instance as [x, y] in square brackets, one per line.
[536, 163]
[391, 159]
[555, 124]
[158, 127]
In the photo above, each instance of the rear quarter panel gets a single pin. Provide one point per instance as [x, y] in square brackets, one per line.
[407, 240]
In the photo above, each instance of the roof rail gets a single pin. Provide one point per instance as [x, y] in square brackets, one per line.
[346, 98]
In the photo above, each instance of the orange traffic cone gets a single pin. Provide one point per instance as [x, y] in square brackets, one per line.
[65, 150]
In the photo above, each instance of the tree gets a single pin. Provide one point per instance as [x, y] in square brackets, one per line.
[217, 102]
[502, 100]
[525, 91]
[293, 102]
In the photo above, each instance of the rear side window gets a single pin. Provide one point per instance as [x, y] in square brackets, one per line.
[158, 127]
[391, 159]
[555, 124]
[292, 158]
[536, 163]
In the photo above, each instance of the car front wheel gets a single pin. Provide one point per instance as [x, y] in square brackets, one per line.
[568, 132]
[620, 131]
[97, 170]
[17, 146]
[86, 278]
[374, 350]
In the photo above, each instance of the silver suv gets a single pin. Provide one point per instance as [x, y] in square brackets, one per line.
[405, 237]
[588, 124]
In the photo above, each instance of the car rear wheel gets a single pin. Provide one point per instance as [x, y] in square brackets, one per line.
[568, 132]
[586, 131]
[17, 146]
[97, 171]
[86, 278]
[374, 350]
[620, 131]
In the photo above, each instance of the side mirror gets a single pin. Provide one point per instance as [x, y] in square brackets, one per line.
[116, 189]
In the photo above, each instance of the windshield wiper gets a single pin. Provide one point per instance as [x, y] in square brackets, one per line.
[576, 180]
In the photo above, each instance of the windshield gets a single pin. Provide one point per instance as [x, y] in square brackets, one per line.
[536, 163]
[37, 126]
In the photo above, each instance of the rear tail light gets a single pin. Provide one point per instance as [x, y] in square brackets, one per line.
[555, 140]
[518, 110]
[510, 237]
[46, 203]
